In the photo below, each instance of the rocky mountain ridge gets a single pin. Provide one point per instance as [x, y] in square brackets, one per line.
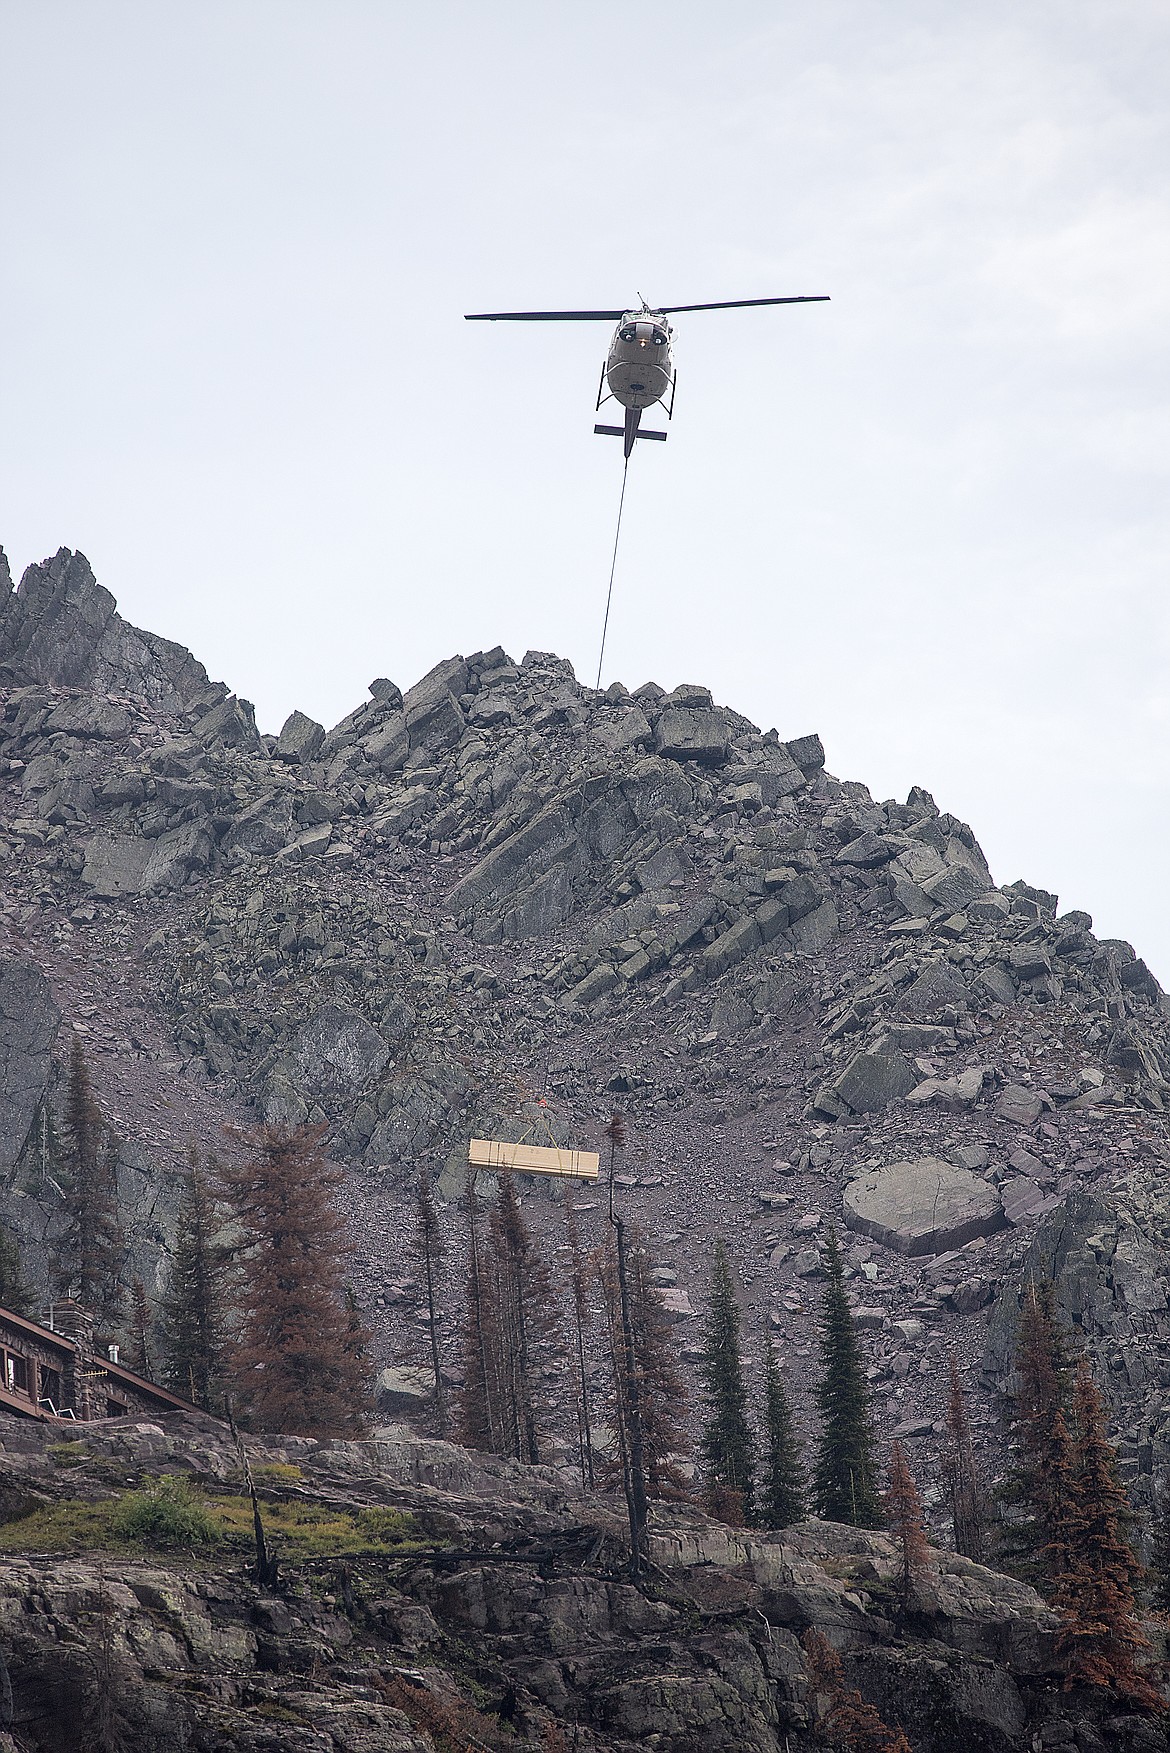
[503, 903]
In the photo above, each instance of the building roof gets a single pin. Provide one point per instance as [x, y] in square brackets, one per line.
[49, 1338]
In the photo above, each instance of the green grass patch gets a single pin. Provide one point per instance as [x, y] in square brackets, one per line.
[69, 1525]
[310, 1530]
[277, 1473]
[167, 1516]
[68, 1454]
[171, 1515]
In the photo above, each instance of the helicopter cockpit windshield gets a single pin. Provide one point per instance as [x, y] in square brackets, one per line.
[643, 334]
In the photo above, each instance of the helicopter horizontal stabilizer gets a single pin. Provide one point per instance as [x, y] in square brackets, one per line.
[619, 432]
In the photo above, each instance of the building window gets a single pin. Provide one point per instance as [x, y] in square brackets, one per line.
[50, 1387]
[16, 1373]
[116, 1409]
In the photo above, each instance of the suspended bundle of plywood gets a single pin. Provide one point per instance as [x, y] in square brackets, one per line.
[533, 1159]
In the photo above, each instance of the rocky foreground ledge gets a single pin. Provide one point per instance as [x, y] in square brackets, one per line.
[498, 1616]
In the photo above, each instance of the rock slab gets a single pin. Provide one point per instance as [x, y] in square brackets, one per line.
[922, 1207]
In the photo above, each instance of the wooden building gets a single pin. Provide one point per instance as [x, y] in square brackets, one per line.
[53, 1372]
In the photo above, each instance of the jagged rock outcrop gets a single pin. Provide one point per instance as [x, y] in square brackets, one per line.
[62, 627]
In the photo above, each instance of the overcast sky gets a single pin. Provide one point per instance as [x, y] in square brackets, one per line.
[928, 519]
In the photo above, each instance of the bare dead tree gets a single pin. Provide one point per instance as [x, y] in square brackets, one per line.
[633, 1459]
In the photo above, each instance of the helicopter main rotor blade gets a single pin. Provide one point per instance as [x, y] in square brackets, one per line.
[744, 303]
[546, 316]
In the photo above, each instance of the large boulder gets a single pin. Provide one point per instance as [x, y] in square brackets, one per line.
[693, 733]
[871, 1081]
[923, 1207]
[300, 738]
[403, 1389]
[126, 864]
[338, 1052]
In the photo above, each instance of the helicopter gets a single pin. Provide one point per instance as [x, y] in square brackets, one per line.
[637, 370]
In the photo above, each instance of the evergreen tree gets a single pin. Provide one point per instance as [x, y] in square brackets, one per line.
[962, 1477]
[138, 1351]
[1099, 1636]
[662, 1393]
[15, 1293]
[907, 1524]
[844, 1478]
[292, 1363]
[509, 1332]
[662, 1398]
[525, 1322]
[782, 1496]
[192, 1309]
[628, 1377]
[478, 1423]
[429, 1236]
[90, 1257]
[1031, 1535]
[579, 1287]
[726, 1445]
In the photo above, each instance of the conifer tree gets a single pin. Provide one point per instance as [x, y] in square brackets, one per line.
[1099, 1636]
[478, 1424]
[906, 1523]
[15, 1293]
[138, 1351]
[90, 1257]
[525, 1322]
[662, 1393]
[429, 1235]
[727, 1447]
[1031, 1538]
[844, 1478]
[192, 1309]
[962, 1477]
[509, 1330]
[662, 1398]
[629, 1387]
[293, 1362]
[782, 1494]
[579, 1287]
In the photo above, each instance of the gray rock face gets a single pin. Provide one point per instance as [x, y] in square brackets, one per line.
[29, 1021]
[389, 745]
[62, 627]
[99, 719]
[953, 886]
[923, 1207]
[338, 1052]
